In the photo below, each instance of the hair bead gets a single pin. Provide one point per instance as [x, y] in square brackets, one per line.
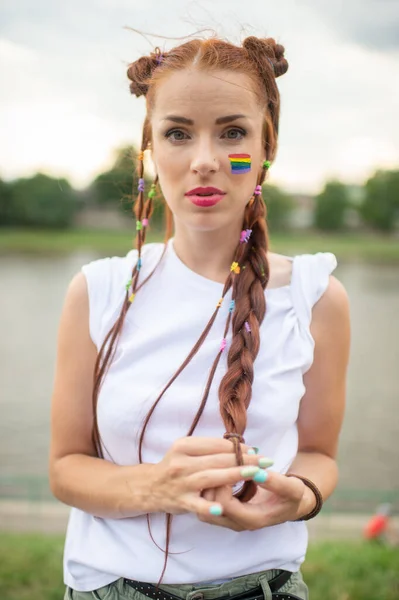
[247, 327]
[139, 226]
[152, 191]
[129, 283]
[140, 156]
[245, 235]
[235, 267]
[141, 185]
[219, 304]
[232, 306]
[258, 190]
[223, 344]
[267, 164]
[139, 263]
[144, 222]
[131, 298]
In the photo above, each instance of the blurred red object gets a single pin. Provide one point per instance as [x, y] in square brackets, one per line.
[378, 524]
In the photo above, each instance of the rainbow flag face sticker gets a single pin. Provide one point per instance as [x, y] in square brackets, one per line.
[240, 163]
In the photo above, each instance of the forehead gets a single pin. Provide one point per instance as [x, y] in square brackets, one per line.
[206, 94]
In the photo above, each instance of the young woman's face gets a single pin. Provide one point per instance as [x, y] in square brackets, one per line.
[198, 120]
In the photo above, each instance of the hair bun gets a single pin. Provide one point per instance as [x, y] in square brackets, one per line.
[140, 72]
[266, 54]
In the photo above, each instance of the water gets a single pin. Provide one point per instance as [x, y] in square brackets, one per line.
[31, 298]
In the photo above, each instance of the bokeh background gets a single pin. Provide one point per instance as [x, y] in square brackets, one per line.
[70, 131]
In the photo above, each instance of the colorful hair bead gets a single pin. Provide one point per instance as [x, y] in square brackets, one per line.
[258, 190]
[129, 283]
[267, 164]
[152, 191]
[141, 185]
[139, 225]
[235, 267]
[232, 306]
[219, 304]
[131, 298]
[245, 235]
[139, 263]
[144, 222]
[223, 344]
[140, 156]
[240, 163]
[247, 327]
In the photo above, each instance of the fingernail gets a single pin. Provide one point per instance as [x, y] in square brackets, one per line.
[265, 462]
[256, 449]
[260, 477]
[215, 510]
[249, 471]
[251, 451]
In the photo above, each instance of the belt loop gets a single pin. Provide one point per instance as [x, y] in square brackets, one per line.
[263, 582]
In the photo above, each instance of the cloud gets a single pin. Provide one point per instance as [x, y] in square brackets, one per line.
[373, 24]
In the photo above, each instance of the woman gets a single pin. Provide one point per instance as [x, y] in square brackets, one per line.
[192, 345]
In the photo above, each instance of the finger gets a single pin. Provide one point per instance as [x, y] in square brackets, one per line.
[203, 507]
[214, 478]
[201, 446]
[226, 460]
[210, 495]
[286, 487]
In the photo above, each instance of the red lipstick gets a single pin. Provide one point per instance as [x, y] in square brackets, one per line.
[205, 196]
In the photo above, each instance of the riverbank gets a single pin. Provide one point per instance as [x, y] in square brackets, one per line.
[378, 249]
[31, 568]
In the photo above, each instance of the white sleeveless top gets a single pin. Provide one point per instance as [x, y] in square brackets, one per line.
[166, 319]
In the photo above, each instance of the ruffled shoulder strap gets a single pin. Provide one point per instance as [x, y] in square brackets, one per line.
[106, 283]
[310, 278]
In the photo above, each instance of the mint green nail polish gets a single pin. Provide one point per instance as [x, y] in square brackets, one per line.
[249, 471]
[216, 510]
[265, 462]
[260, 477]
[251, 451]
[256, 450]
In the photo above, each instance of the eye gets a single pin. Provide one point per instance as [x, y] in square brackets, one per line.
[235, 134]
[176, 135]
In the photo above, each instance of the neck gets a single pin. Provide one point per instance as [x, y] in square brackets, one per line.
[208, 253]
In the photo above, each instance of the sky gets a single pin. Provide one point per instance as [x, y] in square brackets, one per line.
[65, 104]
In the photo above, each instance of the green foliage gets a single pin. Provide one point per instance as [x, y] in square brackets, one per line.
[42, 201]
[380, 208]
[279, 207]
[331, 207]
[6, 217]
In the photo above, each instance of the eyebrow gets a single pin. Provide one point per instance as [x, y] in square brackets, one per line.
[219, 121]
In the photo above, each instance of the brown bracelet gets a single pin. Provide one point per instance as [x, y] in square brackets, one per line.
[317, 493]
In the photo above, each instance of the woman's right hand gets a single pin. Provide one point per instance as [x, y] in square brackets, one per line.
[192, 465]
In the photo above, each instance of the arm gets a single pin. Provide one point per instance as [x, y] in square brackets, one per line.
[322, 407]
[77, 477]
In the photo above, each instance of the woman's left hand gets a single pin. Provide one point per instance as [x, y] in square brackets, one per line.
[277, 500]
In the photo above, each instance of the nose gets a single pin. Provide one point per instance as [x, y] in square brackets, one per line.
[204, 162]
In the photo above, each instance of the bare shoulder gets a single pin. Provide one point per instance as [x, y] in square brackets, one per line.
[332, 309]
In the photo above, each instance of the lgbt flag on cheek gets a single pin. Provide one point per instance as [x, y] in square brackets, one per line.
[240, 163]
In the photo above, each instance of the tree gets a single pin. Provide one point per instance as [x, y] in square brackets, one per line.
[42, 201]
[380, 207]
[279, 207]
[331, 206]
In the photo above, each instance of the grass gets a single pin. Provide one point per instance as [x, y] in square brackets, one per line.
[31, 569]
[347, 246]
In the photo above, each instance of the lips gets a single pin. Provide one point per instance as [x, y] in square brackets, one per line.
[205, 196]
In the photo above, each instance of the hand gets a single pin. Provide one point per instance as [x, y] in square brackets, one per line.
[277, 500]
[189, 468]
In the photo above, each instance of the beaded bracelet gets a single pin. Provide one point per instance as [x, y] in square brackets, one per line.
[317, 493]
